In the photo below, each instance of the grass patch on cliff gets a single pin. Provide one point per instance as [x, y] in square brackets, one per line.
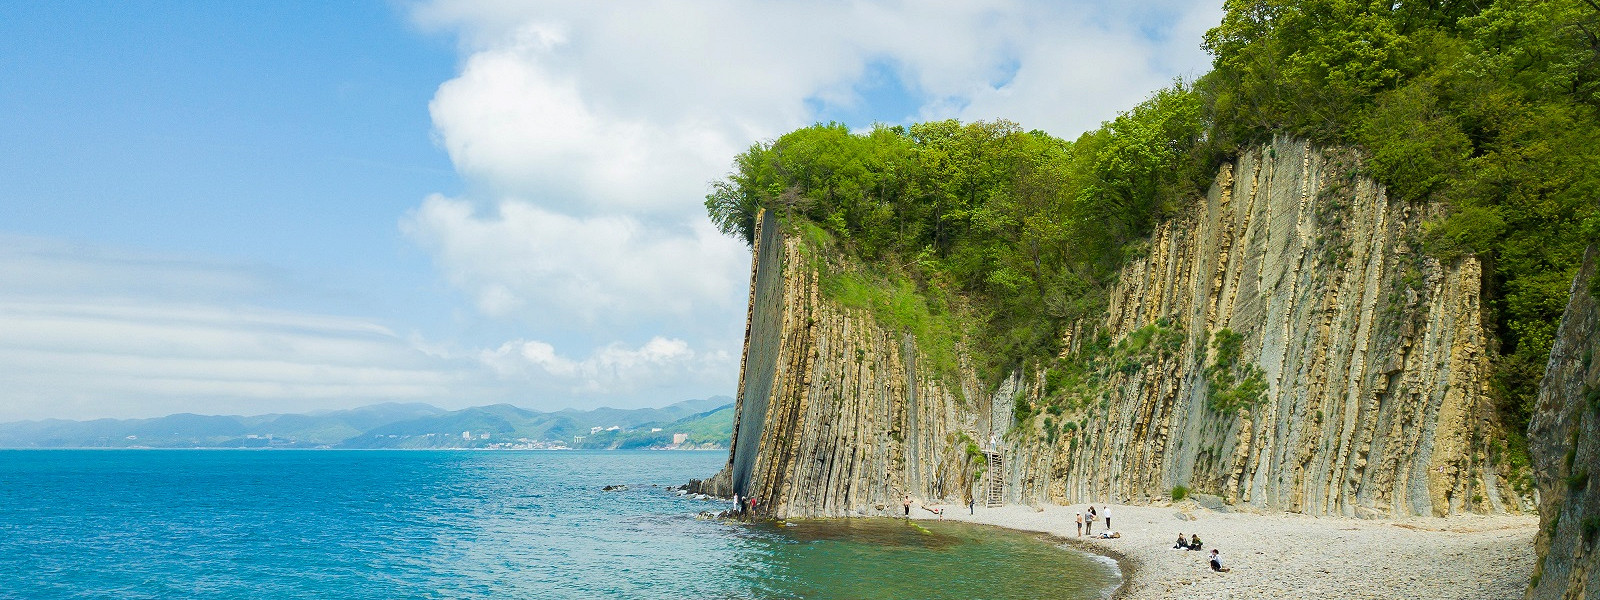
[1233, 384]
[1074, 382]
[1577, 482]
[893, 299]
[975, 459]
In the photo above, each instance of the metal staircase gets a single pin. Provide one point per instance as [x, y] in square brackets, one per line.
[995, 487]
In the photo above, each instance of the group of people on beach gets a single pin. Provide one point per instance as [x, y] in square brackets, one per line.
[1086, 522]
[1189, 543]
[906, 504]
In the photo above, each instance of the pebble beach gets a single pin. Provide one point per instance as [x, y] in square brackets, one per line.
[1284, 556]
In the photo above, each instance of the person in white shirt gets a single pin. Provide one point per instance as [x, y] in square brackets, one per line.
[1216, 562]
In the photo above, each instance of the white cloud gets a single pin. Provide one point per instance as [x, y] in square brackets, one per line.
[587, 135]
[94, 332]
[606, 272]
[658, 364]
[116, 357]
[89, 332]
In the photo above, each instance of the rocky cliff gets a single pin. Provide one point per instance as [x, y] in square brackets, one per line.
[1283, 344]
[1564, 439]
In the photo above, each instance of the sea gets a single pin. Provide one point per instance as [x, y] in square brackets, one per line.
[351, 525]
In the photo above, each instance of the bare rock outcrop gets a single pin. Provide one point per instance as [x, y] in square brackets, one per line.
[1283, 345]
[1564, 440]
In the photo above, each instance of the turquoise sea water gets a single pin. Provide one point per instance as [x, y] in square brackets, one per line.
[451, 524]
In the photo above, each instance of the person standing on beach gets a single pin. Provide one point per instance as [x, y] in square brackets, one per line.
[1080, 524]
[1088, 522]
[1108, 518]
[972, 505]
[907, 505]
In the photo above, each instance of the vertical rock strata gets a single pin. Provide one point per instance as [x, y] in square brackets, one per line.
[848, 427]
[1564, 439]
[1373, 356]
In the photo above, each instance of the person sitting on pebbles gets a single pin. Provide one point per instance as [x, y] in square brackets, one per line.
[1194, 542]
[1183, 543]
[1216, 562]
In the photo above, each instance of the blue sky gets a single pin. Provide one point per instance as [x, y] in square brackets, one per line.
[254, 207]
[232, 131]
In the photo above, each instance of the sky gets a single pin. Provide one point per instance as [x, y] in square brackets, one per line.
[258, 207]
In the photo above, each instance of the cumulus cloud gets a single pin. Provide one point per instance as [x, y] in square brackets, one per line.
[659, 364]
[587, 137]
[607, 272]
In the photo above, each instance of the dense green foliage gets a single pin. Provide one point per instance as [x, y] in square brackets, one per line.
[1488, 109]
[1027, 229]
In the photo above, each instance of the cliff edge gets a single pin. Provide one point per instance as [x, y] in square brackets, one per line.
[1283, 344]
[1564, 439]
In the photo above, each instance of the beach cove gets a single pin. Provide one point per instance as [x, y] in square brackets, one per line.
[1285, 555]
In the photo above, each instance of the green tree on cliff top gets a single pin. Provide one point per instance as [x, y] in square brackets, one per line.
[1487, 108]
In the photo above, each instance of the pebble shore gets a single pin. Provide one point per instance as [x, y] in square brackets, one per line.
[1284, 556]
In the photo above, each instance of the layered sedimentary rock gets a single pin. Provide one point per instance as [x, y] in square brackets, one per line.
[1564, 440]
[833, 419]
[1371, 357]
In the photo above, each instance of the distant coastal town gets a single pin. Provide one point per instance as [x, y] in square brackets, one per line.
[704, 424]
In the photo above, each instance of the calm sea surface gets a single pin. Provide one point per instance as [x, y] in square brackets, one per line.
[423, 524]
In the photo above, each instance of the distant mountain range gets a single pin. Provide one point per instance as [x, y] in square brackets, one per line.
[705, 423]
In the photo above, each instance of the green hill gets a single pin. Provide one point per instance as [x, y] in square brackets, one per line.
[389, 425]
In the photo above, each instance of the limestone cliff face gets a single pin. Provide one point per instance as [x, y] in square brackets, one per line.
[1372, 360]
[833, 419]
[1564, 439]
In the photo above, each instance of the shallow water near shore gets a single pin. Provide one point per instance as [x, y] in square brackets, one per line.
[451, 524]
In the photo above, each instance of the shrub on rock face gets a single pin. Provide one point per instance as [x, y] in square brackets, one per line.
[1234, 384]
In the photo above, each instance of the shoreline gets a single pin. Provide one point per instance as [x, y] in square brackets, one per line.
[1286, 555]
